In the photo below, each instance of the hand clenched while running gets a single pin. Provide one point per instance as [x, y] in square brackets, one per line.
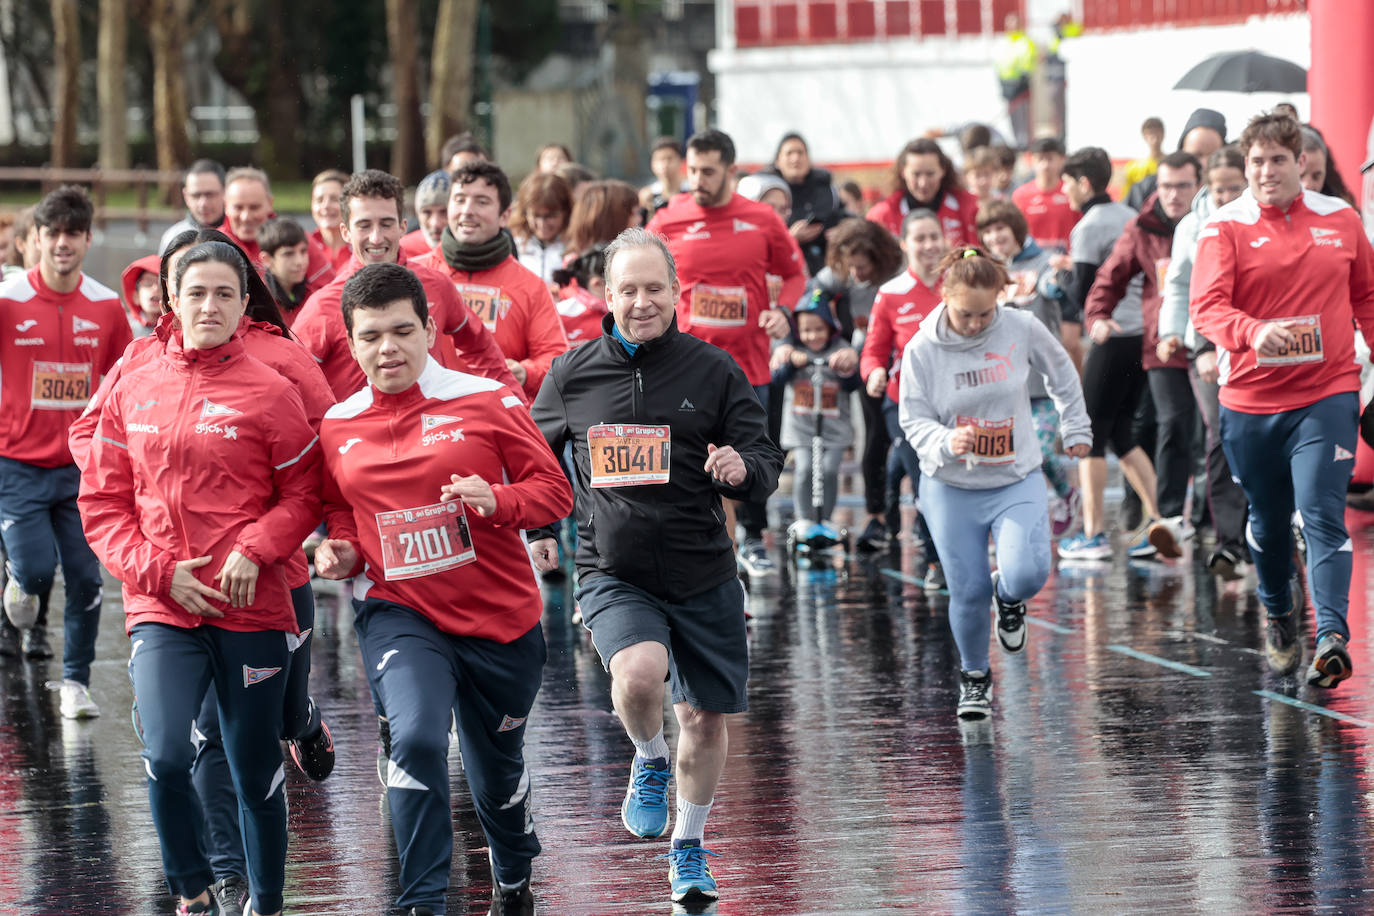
[475, 493]
[335, 558]
[726, 465]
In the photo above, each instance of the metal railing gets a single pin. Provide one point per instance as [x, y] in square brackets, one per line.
[148, 185]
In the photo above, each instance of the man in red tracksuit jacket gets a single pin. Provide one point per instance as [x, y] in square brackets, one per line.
[477, 254]
[60, 331]
[1143, 249]
[449, 615]
[247, 205]
[1281, 278]
[724, 246]
[371, 205]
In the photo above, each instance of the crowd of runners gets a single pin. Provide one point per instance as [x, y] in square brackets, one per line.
[577, 374]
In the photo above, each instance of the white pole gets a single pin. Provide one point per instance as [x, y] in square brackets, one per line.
[359, 134]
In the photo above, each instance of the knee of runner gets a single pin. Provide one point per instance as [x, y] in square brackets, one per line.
[1026, 578]
[640, 671]
[702, 724]
[171, 762]
[410, 742]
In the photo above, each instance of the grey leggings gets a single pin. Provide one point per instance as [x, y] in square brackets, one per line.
[830, 479]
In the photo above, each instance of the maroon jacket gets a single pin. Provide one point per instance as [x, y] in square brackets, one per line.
[1143, 248]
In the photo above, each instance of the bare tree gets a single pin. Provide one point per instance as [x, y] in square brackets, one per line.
[402, 24]
[450, 81]
[112, 55]
[67, 64]
[167, 35]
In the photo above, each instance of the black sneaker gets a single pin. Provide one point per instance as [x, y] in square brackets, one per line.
[1331, 664]
[1281, 647]
[314, 754]
[1226, 562]
[9, 639]
[874, 536]
[935, 578]
[1011, 620]
[975, 695]
[517, 902]
[36, 647]
[231, 895]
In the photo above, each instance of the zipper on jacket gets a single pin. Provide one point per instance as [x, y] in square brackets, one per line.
[391, 432]
[636, 393]
[181, 439]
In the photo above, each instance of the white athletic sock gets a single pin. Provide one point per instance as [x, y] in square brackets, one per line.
[654, 748]
[691, 820]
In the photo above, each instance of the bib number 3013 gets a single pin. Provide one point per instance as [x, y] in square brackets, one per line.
[424, 540]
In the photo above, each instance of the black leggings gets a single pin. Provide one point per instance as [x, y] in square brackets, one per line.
[876, 444]
[1113, 381]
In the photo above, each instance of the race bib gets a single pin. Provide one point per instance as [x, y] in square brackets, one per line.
[486, 302]
[718, 306]
[804, 399]
[1306, 349]
[61, 386]
[994, 441]
[425, 540]
[623, 455]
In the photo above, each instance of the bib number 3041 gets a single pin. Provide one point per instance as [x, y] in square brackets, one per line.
[424, 540]
[625, 455]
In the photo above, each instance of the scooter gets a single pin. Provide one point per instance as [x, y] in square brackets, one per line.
[807, 539]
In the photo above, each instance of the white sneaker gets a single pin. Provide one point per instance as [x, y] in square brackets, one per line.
[20, 607]
[1166, 535]
[77, 702]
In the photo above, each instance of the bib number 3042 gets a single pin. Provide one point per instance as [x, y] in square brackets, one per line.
[424, 540]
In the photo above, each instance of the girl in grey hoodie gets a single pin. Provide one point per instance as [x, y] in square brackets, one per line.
[965, 409]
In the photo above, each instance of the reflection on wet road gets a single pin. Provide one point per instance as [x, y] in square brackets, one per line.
[1139, 758]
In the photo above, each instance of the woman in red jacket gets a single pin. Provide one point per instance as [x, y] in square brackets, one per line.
[926, 179]
[203, 475]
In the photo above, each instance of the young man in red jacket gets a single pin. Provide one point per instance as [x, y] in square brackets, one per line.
[449, 615]
[1049, 215]
[371, 205]
[60, 331]
[477, 254]
[724, 246]
[1281, 279]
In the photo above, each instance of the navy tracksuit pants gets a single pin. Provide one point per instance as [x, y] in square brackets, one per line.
[210, 772]
[1298, 459]
[40, 524]
[171, 669]
[421, 675]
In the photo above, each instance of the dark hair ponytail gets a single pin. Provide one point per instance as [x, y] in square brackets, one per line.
[262, 306]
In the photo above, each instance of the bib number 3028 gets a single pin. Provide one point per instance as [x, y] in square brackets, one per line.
[424, 540]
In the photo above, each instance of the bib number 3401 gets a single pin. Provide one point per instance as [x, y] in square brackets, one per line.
[424, 540]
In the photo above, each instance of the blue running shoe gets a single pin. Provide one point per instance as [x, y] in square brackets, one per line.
[1082, 547]
[1141, 547]
[645, 809]
[689, 874]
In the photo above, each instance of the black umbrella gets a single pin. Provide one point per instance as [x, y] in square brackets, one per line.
[1245, 71]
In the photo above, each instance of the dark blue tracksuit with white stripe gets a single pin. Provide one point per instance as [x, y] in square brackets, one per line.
[421, 675]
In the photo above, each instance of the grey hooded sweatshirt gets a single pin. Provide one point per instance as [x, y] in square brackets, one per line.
[949, 380]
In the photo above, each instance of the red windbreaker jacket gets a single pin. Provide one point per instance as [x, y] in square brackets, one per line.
[200, 453]
[958, 214]
[386, 457]
[1256, 264]
[515, 305]
[899, 308]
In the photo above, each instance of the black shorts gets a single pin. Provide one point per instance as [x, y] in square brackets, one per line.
[1113, 382]
[708, 649]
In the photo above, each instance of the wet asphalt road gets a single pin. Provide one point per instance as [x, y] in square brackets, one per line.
[1139, 759]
